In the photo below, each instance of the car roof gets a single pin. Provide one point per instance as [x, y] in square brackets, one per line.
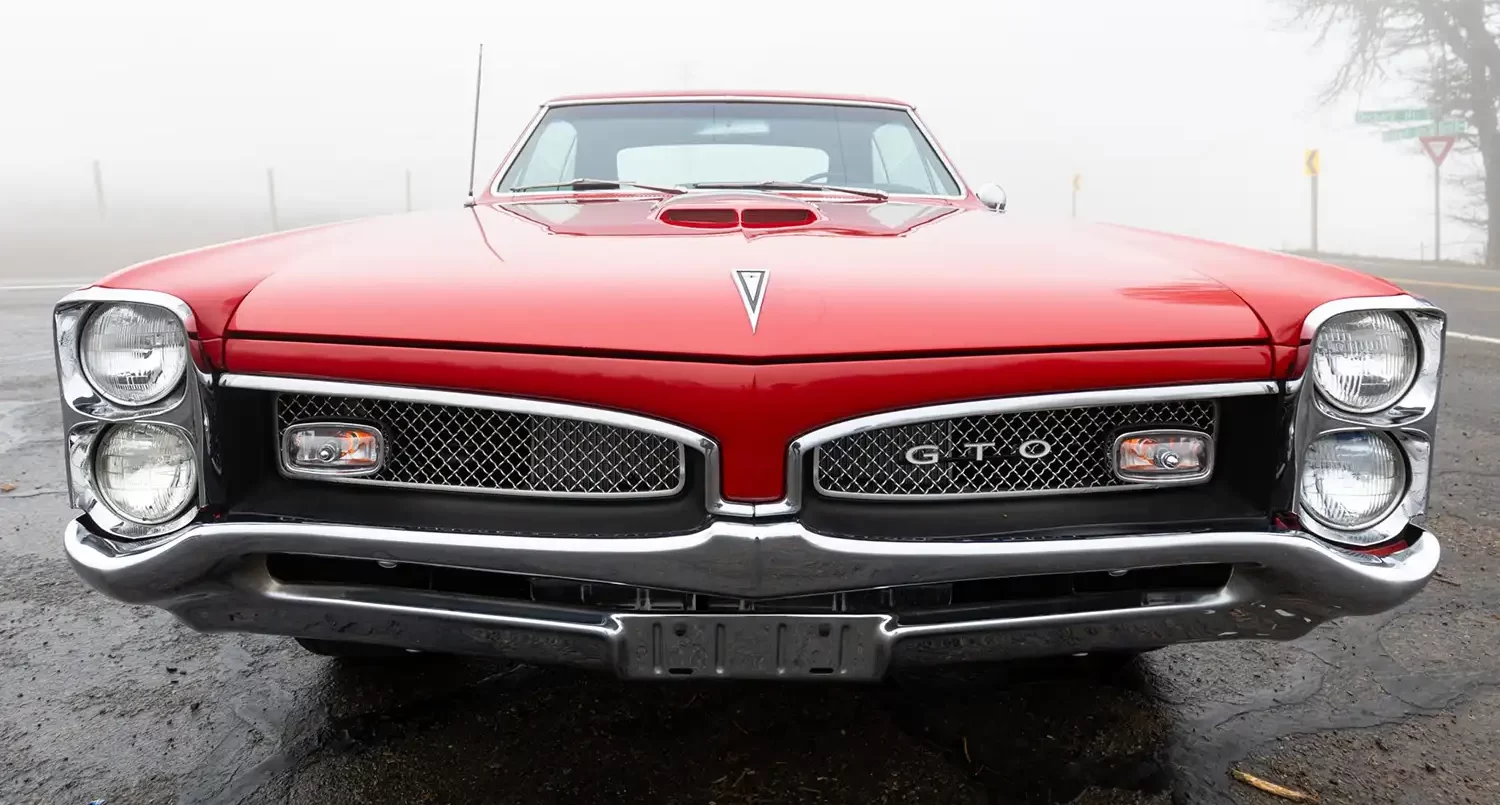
[771, 95]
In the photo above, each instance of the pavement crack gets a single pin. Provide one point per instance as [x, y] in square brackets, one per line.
[1474, 473]
[33, 493]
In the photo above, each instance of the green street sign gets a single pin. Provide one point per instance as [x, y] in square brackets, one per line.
[1445, 127]
[1393, 116]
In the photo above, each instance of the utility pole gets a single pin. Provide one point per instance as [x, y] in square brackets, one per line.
[1312, 164]
[408, 189]
[271, 193]
[1077, 186]
[99, 187]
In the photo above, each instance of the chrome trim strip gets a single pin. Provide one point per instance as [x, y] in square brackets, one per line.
[791, 502]
[726, 98]
[515, 152]
[745, 560]
[964, 190]
[462, 399]
[682, 436]
[505, 196]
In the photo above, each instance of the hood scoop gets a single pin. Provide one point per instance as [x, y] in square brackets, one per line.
[736, 211]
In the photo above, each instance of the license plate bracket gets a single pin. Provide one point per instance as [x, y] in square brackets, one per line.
[752, 646]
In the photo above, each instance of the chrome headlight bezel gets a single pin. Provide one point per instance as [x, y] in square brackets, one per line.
[87, 413]
[1410, 420]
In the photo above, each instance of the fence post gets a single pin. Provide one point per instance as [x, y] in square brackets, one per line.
[271, 192]
[99, 188]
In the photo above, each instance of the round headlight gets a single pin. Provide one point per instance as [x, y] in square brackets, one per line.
[145, 473]
[133, 354]
[1352, 480]
[1364, 361]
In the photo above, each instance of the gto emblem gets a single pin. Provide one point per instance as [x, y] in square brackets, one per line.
[925, 454]
[751, 283]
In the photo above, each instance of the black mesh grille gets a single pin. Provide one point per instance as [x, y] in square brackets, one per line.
[453, 447]
[1078, 441]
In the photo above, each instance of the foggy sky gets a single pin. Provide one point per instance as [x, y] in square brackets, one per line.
[1183, 115]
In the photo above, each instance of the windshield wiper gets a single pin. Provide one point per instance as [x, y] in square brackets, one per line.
[597, 184]
[856, 191]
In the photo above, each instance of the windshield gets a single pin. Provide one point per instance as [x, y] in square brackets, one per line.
[685, 143]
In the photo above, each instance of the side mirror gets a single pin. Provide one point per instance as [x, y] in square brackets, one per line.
[992, 196]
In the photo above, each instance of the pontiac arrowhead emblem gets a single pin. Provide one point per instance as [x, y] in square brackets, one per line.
[752, 287]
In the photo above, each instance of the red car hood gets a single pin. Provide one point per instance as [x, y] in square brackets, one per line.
[607, 277]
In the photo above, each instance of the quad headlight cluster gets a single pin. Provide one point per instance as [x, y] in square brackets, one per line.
[129, 407]
[1366, 420]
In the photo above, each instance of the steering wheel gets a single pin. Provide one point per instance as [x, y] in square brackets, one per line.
[816, 176]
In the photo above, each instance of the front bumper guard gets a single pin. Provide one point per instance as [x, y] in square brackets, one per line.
[213, 577]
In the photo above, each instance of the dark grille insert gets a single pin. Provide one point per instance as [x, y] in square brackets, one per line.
[475, 449]
[873, 464]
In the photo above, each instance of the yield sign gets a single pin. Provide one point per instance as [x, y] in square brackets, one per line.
[1437, 148]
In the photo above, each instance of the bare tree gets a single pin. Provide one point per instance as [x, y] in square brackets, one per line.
[1448, 50]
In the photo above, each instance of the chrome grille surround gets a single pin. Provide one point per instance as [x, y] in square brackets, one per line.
[871, 464]
[483, 450]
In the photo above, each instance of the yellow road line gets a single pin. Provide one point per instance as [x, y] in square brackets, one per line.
[1404, 280]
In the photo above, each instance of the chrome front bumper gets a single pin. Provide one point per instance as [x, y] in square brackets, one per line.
[214, 578]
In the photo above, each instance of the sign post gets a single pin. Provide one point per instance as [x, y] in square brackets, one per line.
[1312, 163]
[1437, 136]
[1437, 147]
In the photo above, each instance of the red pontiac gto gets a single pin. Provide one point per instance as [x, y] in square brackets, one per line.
[746, 385]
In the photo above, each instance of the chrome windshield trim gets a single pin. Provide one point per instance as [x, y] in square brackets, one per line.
[730, 98]
[682, 436]
[958, 179]
[536, 120]
[791, 502]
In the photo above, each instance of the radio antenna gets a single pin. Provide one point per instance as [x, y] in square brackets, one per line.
[474, 141]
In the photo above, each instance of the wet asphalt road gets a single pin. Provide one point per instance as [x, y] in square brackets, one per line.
[101, 700]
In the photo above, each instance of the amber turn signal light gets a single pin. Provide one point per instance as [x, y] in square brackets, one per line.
[333, 448]
[1163, 456]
